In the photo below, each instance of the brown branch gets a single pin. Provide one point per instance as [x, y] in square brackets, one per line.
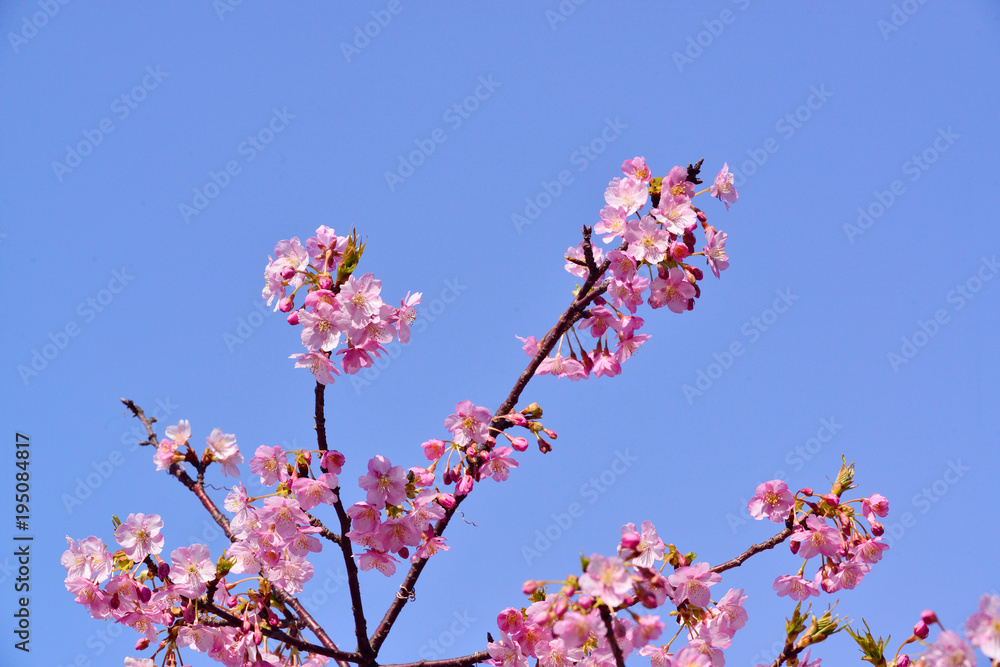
[320, 413]
[752, 551]
[480, 656]
[584, 297]
[178, 472]
[316, 522]
[609, 623]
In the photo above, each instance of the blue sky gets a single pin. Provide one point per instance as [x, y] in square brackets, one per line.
[152, 157]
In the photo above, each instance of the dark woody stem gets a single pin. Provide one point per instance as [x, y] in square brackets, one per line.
[584, 298]
[612, 641]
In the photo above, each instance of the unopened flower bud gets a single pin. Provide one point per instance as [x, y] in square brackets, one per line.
[561, 607]
[630, 541]
[520, 444]
[446, 500]
[806, 491]
[287, 273]
[163, 570]
[585, 602]
[285, 304]
[534, 411]
[877, 529]
[831, 500]
[325, 282]
[529, 587]
[920, 630]
[145, 594]
[928, 616]
[629, 600]
[142, 644]
[446, 477]
[258, 636]
[271, 618]
[903, 661]
[678, 251]
[293, 318]
[189, 612]
[569, 590]
[404, 552]
[552, 434]
[232, 601]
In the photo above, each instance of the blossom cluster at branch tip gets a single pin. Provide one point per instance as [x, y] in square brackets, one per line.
[657, 243]
[336, 305]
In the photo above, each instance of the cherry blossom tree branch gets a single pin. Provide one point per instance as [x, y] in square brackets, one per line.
[609, 624]
[584, 297]
[465, 660]
[353, 581]
[178, 472]
[752, 551]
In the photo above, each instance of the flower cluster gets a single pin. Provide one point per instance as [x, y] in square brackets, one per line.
[661, 239]
[575, 625]
[828, 528]
[336, 304]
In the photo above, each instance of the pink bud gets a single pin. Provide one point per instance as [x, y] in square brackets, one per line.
[232, 601]
[189, 612]
[806, 491]
[271, 618]
[903, 661]
[287, 273]
[629, 600]
[561, 607]
[630, 541]
[529, 587]
[552, 434]
[285, 304]
[325, 283]
[446, 500]
[928, 616]
[877, 529]
[404, 552]
[142, 644]
[464, 486]
[568, 590]
[145, 594]
[585, 602]
[293, 318]
[831, 499]
[258, 636]
[678, 251]
[920, 630]
[520, 444]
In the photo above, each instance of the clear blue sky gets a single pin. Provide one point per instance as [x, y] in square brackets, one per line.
[823, 109]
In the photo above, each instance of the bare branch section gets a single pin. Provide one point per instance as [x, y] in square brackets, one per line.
[752, 551]
[450, 662]
[612, 641]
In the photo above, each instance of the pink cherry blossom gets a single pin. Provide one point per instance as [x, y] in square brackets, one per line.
[359, 297]
[140, 536]
[499, 464]
[606, 578]
[674, 292]
[795, 587]
[468, 424]
[225, 452]
[650, 548]
[383, 562]
[326, 248]
[676, 215]
[691, 583]
[647, 242]
[385, 483]
[322, 328]
[676, 184]
[506, 653]
[722, 188]
[628, 294]
[627, 193]
[312, 492]
[561, 366]
[285, 514]
[983, 627]
[636, 168]
[820, 538]
[870, 550]
[577, 253]
[612, 222]
[270, 463]
[89, 559]
[876, 505]
[773, 500]
[192, 569]
[406, 315]
[715, 251]
[317, 362]
[949, 651]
